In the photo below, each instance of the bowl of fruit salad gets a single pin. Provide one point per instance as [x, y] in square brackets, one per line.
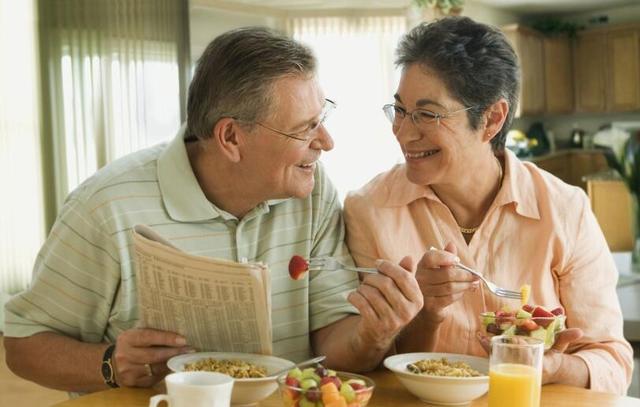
[321, 387]
[529, 320]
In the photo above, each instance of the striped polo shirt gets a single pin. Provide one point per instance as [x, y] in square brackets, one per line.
[84, 282]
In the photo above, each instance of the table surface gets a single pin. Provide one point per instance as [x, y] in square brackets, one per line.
[388, 392]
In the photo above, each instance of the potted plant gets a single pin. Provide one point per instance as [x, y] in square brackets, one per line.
[441, 7]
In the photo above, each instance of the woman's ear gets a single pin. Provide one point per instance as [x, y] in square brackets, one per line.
[228, 137]
[495, 115]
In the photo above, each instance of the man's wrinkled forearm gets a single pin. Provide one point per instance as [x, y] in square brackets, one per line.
[345, 347]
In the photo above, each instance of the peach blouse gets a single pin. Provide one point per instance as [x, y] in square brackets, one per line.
[538, 231]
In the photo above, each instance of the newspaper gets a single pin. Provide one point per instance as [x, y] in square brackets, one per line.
[218, 305]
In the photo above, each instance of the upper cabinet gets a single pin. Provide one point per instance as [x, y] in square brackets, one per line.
[624, 69]
[607, 69]
[558, 74]
[528, 45]
[598, 71]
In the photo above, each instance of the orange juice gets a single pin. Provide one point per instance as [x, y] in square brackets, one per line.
[513, 385]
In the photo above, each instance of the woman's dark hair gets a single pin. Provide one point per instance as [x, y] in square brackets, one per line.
[475, 61]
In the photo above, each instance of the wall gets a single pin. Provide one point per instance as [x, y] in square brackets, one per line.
[489, 15]
[208, 19]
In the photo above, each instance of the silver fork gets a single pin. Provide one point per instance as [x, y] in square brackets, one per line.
[499, 291]
[332, 264]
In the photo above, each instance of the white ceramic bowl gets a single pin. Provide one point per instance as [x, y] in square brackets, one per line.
[246, 392]
[442, 391]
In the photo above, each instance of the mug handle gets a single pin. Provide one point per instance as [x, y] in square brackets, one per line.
[155, 400]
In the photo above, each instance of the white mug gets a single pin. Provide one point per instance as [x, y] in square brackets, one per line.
[196, 389]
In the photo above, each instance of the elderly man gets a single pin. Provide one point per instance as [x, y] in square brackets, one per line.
[242, 180]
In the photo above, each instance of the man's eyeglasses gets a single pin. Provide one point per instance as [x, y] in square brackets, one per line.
[421, 117]
[304, 135]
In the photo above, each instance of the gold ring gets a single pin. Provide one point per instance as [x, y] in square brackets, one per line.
[148, 369]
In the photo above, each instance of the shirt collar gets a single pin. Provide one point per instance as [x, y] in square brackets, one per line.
[183, 198]
[181, 193]
[517, 189]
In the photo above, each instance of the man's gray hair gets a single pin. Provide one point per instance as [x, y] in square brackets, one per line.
[234, 76]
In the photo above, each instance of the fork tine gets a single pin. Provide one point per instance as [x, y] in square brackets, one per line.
[507, 295]
[510, 292]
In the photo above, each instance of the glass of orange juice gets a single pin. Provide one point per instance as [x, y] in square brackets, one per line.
[515, 371]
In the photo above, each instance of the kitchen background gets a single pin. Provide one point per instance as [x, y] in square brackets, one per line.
[83, 82]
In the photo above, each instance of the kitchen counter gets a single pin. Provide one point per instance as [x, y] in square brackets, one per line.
[562, 152]
[629, 296]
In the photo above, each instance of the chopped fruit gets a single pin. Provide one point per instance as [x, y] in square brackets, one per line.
[310, 373]
[306, 403]
[347, 392]
[529, 325]
[292, 381]
[525, 290]
[297, 267]
[331, 379]
[295, 373]
[322, 371]
[533, 321]
[557, 311]
[540, 312]
[488, 318]
[320, 387]
[313, 394]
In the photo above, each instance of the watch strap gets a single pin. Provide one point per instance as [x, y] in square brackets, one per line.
[107, 370]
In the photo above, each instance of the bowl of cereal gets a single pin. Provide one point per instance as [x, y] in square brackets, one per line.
[443, 379]
[252, 373]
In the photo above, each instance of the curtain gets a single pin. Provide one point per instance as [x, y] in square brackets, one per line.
[108, 78]
[21, 214]
[114, 73]
[356, 69]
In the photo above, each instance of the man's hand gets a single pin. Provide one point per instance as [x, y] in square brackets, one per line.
[137, 347]
[441, 283]
[387, 302]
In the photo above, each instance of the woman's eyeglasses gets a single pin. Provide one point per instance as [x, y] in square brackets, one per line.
[422, 118]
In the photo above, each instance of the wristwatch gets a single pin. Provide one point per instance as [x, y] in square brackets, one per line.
[108, 372]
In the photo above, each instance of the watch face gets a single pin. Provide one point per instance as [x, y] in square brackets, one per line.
[107, 373]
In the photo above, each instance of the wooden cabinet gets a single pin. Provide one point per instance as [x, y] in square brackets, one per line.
[528, 45]
[607, 69]
[558, 74]
[571, 166]
[590, 72]
[624, 69]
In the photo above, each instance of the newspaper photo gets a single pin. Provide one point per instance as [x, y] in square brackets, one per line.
[216, 304]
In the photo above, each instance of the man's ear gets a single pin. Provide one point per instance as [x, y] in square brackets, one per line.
[495, 115]
[228, 139]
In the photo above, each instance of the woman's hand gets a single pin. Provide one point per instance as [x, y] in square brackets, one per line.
[441, 283]
[552, 363]
[558, 366]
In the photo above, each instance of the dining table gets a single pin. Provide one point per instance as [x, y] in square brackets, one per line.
[388, 392]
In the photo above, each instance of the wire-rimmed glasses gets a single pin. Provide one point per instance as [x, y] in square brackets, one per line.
[420, 117]
[304, 135]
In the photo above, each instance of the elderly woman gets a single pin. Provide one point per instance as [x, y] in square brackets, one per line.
[460, 191]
